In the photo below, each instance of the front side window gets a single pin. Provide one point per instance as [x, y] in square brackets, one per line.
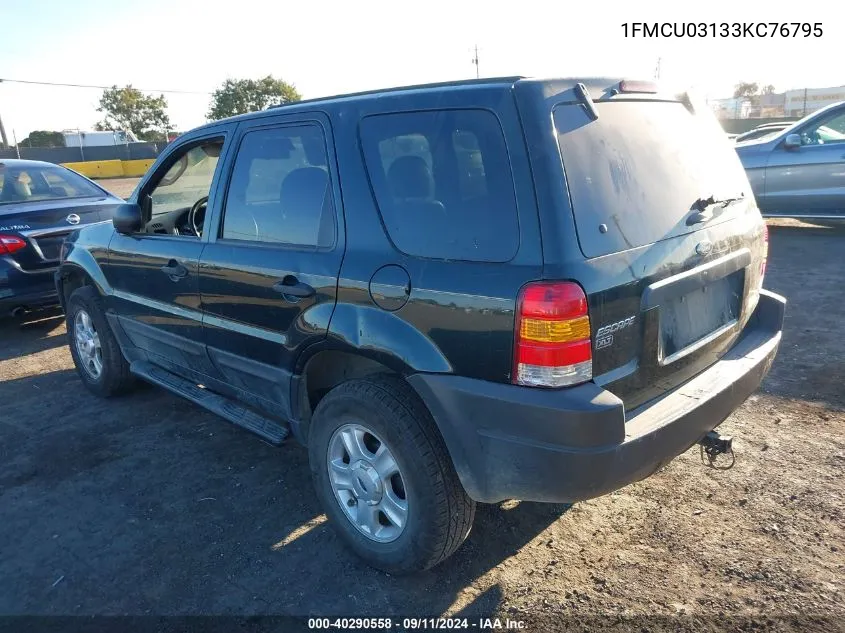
[35, 183]
[279, 190]
[831, 130]
[187, 181]
[443, 183]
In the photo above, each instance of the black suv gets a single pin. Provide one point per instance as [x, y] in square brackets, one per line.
[453, 293]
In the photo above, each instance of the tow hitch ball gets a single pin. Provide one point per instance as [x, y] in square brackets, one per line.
[714, 444]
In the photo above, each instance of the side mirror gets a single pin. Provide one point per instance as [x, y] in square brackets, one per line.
[792, 141]
[128, 218]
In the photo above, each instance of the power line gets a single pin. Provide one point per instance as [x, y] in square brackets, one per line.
[53, 83]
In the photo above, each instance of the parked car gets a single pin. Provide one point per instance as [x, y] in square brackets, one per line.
[762, 130]
[40, 204]
[798, 172]
[412, 284]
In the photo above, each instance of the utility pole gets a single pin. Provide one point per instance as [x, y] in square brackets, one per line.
[657, 69]
[4, 142]
[475, 61]
[804, 113]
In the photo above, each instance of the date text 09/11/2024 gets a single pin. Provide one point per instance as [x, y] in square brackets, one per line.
[408, 624]
[722, 29]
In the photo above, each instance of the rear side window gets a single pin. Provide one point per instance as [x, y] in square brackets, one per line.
[279, 190]
[443, 183]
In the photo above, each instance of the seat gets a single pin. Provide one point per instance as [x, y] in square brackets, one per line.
[414, 208]
[305, 212]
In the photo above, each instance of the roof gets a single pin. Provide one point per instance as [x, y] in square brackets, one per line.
[463, 83]
[443, 84]
[22, 162]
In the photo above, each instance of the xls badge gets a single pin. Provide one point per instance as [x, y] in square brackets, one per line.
[604, 336]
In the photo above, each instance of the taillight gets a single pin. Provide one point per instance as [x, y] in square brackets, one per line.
[765, 252]
[552, 338]
[10, 244]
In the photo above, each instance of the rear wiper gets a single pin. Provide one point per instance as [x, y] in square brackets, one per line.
[702, 209]
[586, 101]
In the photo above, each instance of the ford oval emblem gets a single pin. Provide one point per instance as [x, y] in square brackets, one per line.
[704, 248]
[72, 219]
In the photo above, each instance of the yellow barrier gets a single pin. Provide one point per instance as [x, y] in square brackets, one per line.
[135, 168]
[111, 168]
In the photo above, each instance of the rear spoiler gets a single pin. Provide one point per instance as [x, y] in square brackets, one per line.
[626, 86]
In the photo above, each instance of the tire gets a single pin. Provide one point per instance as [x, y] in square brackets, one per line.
[439, 513]
[114, 377]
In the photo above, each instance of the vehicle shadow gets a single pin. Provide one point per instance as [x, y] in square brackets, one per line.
[30, 334]
[499, 532]
[188, 515]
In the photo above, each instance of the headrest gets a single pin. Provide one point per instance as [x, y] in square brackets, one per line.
[410, 177]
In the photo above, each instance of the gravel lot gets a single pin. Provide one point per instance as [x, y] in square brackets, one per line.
[148, 505]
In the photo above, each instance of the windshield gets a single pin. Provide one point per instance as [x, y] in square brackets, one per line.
[34, 183]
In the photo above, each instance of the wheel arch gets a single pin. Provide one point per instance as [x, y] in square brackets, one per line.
[322, 367]
[79, 269]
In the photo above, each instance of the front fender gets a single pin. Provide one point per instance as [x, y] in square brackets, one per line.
[79, 257]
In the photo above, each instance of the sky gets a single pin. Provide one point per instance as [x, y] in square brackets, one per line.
[332, 47]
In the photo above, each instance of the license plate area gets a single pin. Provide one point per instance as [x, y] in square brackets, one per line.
[50, 246]
[692, 320]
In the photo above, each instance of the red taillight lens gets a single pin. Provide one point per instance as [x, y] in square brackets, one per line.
[765, 252]
[10, 244]
[552, 338]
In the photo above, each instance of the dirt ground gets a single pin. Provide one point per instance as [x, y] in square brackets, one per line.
[122, 187]
[146, 504]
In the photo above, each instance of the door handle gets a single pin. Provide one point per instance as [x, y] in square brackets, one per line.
[290, 286]
[174, 270]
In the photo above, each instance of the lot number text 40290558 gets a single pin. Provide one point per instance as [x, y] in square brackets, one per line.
[721, 29]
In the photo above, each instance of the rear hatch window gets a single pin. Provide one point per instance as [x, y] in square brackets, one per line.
[640, 167]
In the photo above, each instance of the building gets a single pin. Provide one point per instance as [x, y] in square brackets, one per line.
[803, 101]
[789, 104]
[81, 138]
[772, 106]
[732, 108]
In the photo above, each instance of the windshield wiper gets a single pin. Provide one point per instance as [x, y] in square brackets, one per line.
[702, 209]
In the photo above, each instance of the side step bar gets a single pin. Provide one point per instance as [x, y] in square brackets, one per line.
[272, 431]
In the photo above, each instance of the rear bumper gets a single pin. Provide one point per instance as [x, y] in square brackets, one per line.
[510, 442]
[24, 289]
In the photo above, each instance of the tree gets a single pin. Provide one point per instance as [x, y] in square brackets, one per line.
[746, 89]
[43, 138]
[130, 109]
[767, 90]
[239, 96]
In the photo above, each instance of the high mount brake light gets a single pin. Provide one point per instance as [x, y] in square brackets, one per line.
[552, 337]
[646, 87]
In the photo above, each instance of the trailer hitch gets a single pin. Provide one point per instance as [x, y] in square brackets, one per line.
[713, 444]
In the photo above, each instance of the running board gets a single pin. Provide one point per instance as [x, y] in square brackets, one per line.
[233, 411]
